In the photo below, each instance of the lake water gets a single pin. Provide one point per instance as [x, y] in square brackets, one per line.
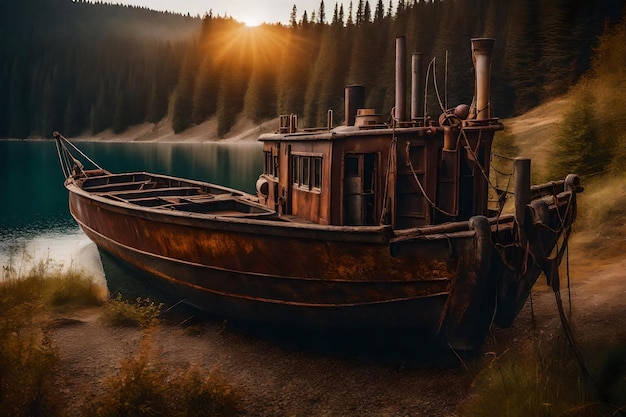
[35, 224]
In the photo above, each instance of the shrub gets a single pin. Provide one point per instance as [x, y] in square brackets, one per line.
[73, 289]
[579, 148]
[546, 381]
[147, 387]
[28, 359]
[120, 312]
[53, 287]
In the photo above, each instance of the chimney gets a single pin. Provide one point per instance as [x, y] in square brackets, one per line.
[400, 112]
[354, 100]
[417, 86]
[481, 55]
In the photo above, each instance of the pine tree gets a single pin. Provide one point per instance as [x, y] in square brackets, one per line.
[205, 93]
[522, 54]
[578, 147]
[182, 105]
[350, 20]
[379, 14]
[322, 13]
[293, 22]
[120, 115]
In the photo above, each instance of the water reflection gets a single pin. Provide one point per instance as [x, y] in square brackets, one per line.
[35, 222]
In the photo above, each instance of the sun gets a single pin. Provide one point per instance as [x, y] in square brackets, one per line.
[251, 21]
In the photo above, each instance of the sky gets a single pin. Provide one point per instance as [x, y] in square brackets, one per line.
[250, 12]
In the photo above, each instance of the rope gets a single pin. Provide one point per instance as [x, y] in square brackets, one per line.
[79, 151]
[392, 150]
[419, 184]
[502, 156]
[475, 157]
[569, 288]
[67, 160]
[441, 105]
[565, 231]
[61, 162]
[570, 338]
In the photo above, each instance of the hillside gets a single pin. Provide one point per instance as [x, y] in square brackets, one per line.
[601, 224]
[534, 132]
[244, 129]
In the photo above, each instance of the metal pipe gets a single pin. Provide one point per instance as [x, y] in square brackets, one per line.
[481, 55]
[400, 108]
[354, 100]
[417, 85]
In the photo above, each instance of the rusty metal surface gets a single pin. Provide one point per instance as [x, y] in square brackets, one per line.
[324, 278]
[293, 273]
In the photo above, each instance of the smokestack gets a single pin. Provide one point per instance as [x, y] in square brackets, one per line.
[481, 55]
[400, 113]
[417, 86]
[354, 100]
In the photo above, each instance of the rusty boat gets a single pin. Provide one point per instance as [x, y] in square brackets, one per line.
[371, 225]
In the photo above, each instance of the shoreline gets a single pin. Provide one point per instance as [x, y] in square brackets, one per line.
[244, 130]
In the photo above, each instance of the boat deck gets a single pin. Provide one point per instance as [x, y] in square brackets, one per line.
[169, 193]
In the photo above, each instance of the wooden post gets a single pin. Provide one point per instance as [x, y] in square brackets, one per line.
[522, 192]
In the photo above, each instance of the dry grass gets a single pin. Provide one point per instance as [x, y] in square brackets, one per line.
[142, 313]
[144, 386]
[534, 134]
[546, 380]
[28, 358]
[147, 386]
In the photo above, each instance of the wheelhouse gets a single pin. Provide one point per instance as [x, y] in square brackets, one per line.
[406, 173]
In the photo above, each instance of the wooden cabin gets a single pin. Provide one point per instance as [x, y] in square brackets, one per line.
[406, 173]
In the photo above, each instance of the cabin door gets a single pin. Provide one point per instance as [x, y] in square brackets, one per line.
[359, 196]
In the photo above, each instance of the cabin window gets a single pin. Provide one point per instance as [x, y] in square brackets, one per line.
[267, 163]
[296, 170]
[270, 164]
[317, 172]
[307, 171]
[352, 166]
[305, 164]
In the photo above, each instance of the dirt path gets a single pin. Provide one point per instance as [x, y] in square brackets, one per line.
[281, 380]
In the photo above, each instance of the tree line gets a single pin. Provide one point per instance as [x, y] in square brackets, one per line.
[84, 67]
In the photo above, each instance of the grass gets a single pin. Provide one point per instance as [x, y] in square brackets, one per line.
[28, 358]
[143, 313]
[547, 381]
[53, 287]
[146, 386]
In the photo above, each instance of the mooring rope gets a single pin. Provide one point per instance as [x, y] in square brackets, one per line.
[66, 159]
[392, 151]
[421, 187]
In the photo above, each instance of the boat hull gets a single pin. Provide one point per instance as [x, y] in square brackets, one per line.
[445, 283]
[284, 273]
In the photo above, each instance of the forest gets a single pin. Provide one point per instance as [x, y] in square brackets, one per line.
[84, 67]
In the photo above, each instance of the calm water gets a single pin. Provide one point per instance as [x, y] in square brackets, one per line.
[35, 223]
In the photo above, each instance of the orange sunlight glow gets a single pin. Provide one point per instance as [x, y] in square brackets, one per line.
[252, 21]
[259, 44]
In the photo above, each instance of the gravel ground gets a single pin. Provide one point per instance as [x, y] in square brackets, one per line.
[279, 377]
